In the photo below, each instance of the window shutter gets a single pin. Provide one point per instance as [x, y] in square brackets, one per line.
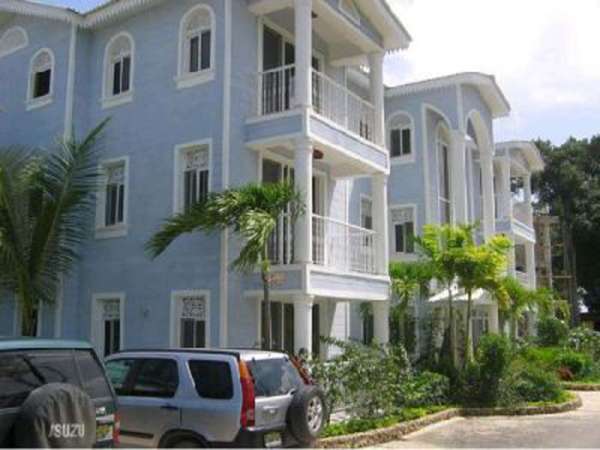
[395, 143]
[406, 142]
[121, 203]
[206, 56]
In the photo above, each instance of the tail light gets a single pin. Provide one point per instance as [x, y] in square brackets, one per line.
[248, 397]
[117, 429]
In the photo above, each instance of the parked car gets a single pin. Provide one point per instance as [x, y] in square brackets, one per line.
[200, 398]
[55, 394]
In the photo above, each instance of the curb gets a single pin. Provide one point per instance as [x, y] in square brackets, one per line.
[396, 432]
[581, 386]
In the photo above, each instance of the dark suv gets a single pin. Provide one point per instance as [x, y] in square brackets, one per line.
[48, 377]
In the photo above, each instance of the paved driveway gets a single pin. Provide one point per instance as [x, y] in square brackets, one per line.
[577, 429]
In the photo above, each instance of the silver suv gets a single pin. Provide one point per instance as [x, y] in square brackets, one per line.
[200, 398]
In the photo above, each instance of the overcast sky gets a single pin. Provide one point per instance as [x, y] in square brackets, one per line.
[545, 55]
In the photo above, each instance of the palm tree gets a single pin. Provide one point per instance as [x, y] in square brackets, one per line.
[252, 212]
[46, 205]
[479, 267]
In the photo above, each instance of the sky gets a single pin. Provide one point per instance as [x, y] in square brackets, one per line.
[545, 55]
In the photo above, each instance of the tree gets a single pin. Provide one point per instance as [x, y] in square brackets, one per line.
[518, 299]
[46, 205]
[479, 267]
[408, 279]
[252, 212]
[441, 245]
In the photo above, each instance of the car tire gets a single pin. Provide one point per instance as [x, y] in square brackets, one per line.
[56, 416]
[188, 443]
[307, 414]
[183, 439]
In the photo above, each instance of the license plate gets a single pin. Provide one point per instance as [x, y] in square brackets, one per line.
[273, 440]
[104, 433]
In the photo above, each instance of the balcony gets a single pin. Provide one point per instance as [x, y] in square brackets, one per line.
[337, 246]
[331, 101]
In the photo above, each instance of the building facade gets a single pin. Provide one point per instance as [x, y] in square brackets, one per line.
[204, 95]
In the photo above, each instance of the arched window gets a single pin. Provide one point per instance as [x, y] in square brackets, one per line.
[12, 40]
[401, 137]
[118, 70]
[41, 77]
[443, 158]
[196, 46]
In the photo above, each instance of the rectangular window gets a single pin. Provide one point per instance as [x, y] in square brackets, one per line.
[206, 48]
[121, 75]
[114, 213]
[111, 326]
[212, 379]
[400, 142]
[404, 229]
[444, 183]
[42, 83]
[156, 378]
[406, 142]
[192, 321]
[194, 188]
[194, 54]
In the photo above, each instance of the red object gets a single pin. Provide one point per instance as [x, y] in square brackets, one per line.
[117, 429]
[248, 397]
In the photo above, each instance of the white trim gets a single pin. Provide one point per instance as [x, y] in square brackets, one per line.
[186, 79]
[121, 229]
[174, 330]
[415, 209]
[353, 14]
[39, 102]
[70, 94]
[224, 269]
[12, 50]
[401, 159]
[177, 170]
[442, 128]
[96, 328]
[108, 100]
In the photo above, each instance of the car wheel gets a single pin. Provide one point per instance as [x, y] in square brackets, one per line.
[56, 416]
[188, 443]
[307, 414]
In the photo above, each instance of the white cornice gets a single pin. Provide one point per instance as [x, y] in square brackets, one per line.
[530, 151]
[486, 84]
[379, 12]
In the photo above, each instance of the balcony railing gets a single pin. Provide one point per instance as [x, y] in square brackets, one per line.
[331, 100]
[342, 246]
[522, 213]
[336, 245]
[523, 277]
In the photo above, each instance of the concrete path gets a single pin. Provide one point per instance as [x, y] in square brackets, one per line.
[577, 429]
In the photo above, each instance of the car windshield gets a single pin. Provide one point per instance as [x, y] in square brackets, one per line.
[274, 377]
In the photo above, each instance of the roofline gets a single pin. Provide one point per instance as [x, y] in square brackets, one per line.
[531, 151]
[478, 79]
[395, 22]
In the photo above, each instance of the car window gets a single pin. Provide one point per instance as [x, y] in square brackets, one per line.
[273, 377]
[21, 373]
[155, 378]
[212, 379]
[118, 370]
[92, 374]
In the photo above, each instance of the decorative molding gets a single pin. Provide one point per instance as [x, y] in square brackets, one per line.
[120, 229]
[178, 155]
[191, 295]
[401, 159]
[529, 150]
[13, 40]
[108, 100]
[47, 61]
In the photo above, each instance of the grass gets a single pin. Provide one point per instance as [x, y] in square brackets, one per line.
[563, 397]
[353, 426]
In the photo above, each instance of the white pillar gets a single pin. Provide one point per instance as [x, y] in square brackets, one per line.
[528, 198]
[377, 94]
[381, 322]
[493, 321]
[303, 307]
[303, 166]
[380, 222]
[530, 262]
[487, 182]
[505, 194]
[303, 26]
[458, 176]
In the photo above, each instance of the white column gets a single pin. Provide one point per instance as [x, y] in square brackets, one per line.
[458, 176]
[303, 166]
[493, 321]
[303, 26]
[303, 306]
[381, 322]
[377, 94]
[530, 262]
[505, 194]
[489, 207]
[528, 198]
[380, 222]
[70, 92]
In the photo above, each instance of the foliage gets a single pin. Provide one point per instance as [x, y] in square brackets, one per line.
[364, 379]
[424, 389]
[531, 383]
[578, 364]
[494, 355]
[585, 340]
[46, 208]
[252, 212]
[361, 425]
[552, 331]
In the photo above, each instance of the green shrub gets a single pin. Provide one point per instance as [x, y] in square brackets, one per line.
[424, 389]
[579, 364]
[552, 332]
[585, 340]
[493, 356]
[467, 391]
[534, 384]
